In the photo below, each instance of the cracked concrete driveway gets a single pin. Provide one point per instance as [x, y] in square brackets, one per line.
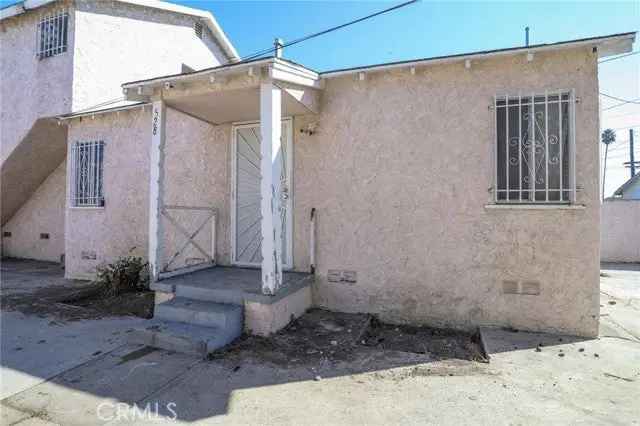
[532, 378]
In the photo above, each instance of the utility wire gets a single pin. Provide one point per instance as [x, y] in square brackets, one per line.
[619, 57]
[314, 35]
[634, 101]
[621, 104]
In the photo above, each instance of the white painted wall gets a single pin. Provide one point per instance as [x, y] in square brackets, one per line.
[620, 231]
[115, 45]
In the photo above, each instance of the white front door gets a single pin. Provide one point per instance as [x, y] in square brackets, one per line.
[246, 231]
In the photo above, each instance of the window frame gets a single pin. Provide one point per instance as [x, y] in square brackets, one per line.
[566, 187]
[93, 197]
[55, 28]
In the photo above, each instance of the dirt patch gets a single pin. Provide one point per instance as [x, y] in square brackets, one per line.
[318, 336]
[85, 301]
[322, 338]
[440, 343]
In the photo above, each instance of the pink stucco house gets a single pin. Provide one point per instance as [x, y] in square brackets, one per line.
[454, 191]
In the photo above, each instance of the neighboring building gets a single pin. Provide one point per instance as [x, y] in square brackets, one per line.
[630, 190]
[64, 56]
[350, 190]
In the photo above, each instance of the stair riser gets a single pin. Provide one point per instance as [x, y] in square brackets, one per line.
[208, 295]
[206, 319]
[168, 342]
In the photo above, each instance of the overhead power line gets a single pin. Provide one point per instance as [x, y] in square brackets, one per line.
[314, 35]
[632, 102]
[619, 57]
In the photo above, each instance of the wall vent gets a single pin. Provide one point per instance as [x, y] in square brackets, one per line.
[529, 288]
[198, 29]
[6, 234]
[340, 276]
[88, 255]
[44, 236]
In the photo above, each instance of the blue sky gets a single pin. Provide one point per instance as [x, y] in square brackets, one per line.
[441, 28]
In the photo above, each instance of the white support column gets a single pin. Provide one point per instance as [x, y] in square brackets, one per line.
[270, 204]
[156, 187]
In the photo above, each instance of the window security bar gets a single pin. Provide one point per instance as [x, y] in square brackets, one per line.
[534, 155]
[87, 168]
[52, 35]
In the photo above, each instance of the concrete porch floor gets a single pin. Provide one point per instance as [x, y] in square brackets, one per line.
[233, 284]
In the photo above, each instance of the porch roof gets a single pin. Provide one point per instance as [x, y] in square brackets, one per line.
[231, 92]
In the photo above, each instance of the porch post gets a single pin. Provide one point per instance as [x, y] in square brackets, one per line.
[156, 187]
[270, 150]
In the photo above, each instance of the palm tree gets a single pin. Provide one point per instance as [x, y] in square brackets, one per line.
[608, 137]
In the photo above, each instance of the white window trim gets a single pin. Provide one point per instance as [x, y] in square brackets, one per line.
[97, 181]
[571, 188]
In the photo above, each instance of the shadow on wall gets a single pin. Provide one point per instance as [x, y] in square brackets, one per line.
[41, 151]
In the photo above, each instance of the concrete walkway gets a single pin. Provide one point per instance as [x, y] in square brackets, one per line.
[565, 380]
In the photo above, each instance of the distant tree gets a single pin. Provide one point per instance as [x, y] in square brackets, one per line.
[608, 137]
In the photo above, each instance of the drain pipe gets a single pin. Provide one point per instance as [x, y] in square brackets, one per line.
[312, 242]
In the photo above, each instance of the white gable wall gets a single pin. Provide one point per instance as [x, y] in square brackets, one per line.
[115, 45]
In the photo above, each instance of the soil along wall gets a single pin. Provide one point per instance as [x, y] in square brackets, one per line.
[620, 231]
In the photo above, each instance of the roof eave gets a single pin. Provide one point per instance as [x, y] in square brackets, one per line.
[614, 44]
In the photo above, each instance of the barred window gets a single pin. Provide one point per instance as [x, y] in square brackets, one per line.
[534, 148]
[87, 160]
[52, 34]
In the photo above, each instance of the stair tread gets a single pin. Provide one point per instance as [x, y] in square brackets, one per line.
[200, 305]
[182, 337]
[183, 330]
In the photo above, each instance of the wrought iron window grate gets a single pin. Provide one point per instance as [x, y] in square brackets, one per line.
[52, 34]
[87, 159]
[534, 148]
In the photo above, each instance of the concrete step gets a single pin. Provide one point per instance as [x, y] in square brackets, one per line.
[181, 337]
[204, 293]
[198, 312]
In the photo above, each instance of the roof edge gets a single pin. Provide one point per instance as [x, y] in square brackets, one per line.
[627, 184]
[484, 53]
[85, 113]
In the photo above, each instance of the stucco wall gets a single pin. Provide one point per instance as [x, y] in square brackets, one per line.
[115, 45]
[620, 231]
[197, 174]
[43, 213]
[400, 170]
[31, 87]
[120, 228]
[195, 169]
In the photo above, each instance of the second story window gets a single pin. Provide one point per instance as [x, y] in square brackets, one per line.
[52, 34]
[87, 159]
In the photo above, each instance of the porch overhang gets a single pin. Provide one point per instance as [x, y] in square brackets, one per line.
[231, 93]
